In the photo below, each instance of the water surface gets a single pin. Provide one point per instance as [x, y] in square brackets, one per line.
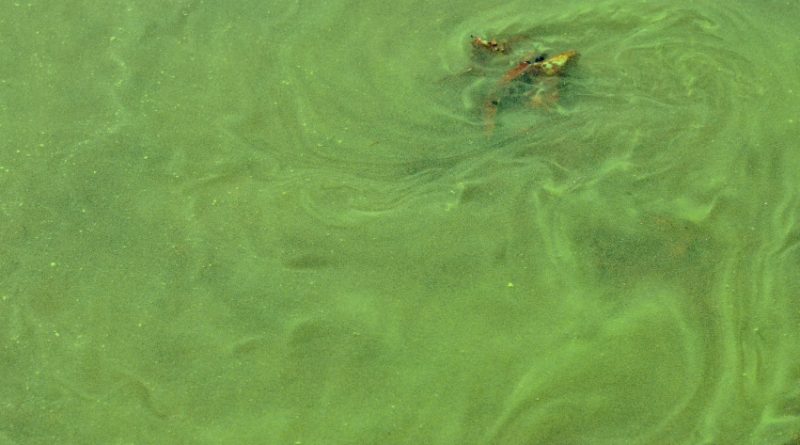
[284, 222]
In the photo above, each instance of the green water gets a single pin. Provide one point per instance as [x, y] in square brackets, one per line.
[284, 223]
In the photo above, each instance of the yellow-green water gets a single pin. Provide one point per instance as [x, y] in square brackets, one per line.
[283, 223]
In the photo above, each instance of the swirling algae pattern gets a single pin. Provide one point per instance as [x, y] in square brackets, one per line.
[660, 197]
[282, 222]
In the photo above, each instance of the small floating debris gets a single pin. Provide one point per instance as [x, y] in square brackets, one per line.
[536, 78]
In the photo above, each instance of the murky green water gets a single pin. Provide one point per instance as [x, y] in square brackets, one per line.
[285, 223]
